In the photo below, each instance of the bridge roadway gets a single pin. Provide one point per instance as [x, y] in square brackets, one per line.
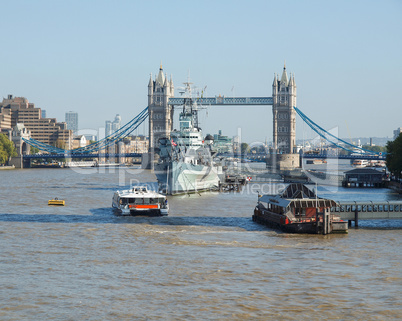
[222, 100]
[259, 156]
[80, 155]
[253, 157]
[332, 156]
[368, 210]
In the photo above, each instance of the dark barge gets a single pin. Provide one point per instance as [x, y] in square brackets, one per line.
[297, 209]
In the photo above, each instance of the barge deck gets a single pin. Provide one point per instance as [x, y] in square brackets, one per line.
[297, 209]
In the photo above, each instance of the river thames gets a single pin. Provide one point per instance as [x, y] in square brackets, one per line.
[207, 260]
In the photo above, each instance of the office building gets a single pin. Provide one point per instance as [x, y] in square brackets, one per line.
[15, 110]
[72, 121]
[112, 126]
[397, 132]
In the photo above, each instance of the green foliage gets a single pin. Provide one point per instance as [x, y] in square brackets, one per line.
[34, 150]
[3, 155]
[244, 148]
[7, 149]
[394, 156]
[376, 149]
[60, 143]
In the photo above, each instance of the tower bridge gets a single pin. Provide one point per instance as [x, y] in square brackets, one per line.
[161, 102]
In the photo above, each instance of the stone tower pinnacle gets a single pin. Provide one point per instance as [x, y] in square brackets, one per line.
[284, 115]
[160, 112]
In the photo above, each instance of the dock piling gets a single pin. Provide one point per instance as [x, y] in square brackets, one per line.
[356, 218]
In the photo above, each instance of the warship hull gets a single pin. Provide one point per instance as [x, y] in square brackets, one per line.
[180, 177]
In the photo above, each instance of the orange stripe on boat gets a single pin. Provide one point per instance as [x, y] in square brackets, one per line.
[148, 206]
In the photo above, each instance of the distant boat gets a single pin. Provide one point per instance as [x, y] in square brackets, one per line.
[315, 161]
[79, 164]
[360, 163]
[108, 165]
[357, 151]
[377, 163]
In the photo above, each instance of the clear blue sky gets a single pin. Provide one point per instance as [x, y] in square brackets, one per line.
[95, 57]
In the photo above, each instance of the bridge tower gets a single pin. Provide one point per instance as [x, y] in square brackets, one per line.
[19, 132]
[284, 156]
[160, 112]
[284, 115]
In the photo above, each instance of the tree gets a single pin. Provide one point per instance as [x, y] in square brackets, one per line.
[394, 156]
[376, 149]
[60, 143]
[7, 149]
[34, 150]
[3, 155]
[244, 148]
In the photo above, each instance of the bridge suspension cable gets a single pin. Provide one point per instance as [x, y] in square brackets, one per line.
[111, 139]
[332, 138]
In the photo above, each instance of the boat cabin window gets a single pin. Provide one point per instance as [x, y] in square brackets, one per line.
[140, 190]
[185, 124]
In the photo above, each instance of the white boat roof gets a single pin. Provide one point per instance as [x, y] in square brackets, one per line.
[139, 192]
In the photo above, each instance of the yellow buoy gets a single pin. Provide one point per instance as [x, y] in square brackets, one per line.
[56, 201]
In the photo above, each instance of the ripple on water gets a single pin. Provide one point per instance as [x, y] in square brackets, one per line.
[83, 262]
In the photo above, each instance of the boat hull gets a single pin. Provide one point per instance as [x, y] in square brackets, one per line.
[278, 221]
[141, 212]
[180, 177]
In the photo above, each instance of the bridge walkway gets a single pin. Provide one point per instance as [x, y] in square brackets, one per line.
[368, 210]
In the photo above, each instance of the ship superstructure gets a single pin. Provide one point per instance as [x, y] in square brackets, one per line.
[186, 164]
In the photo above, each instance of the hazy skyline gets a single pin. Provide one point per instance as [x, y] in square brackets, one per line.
[95, 57]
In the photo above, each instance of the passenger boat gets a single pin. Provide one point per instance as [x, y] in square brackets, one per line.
[377, 163]
[316, 161]
[298, 210]
[140, 201]
[360, 163]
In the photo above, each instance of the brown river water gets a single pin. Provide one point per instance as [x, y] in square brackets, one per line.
[206, 261]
